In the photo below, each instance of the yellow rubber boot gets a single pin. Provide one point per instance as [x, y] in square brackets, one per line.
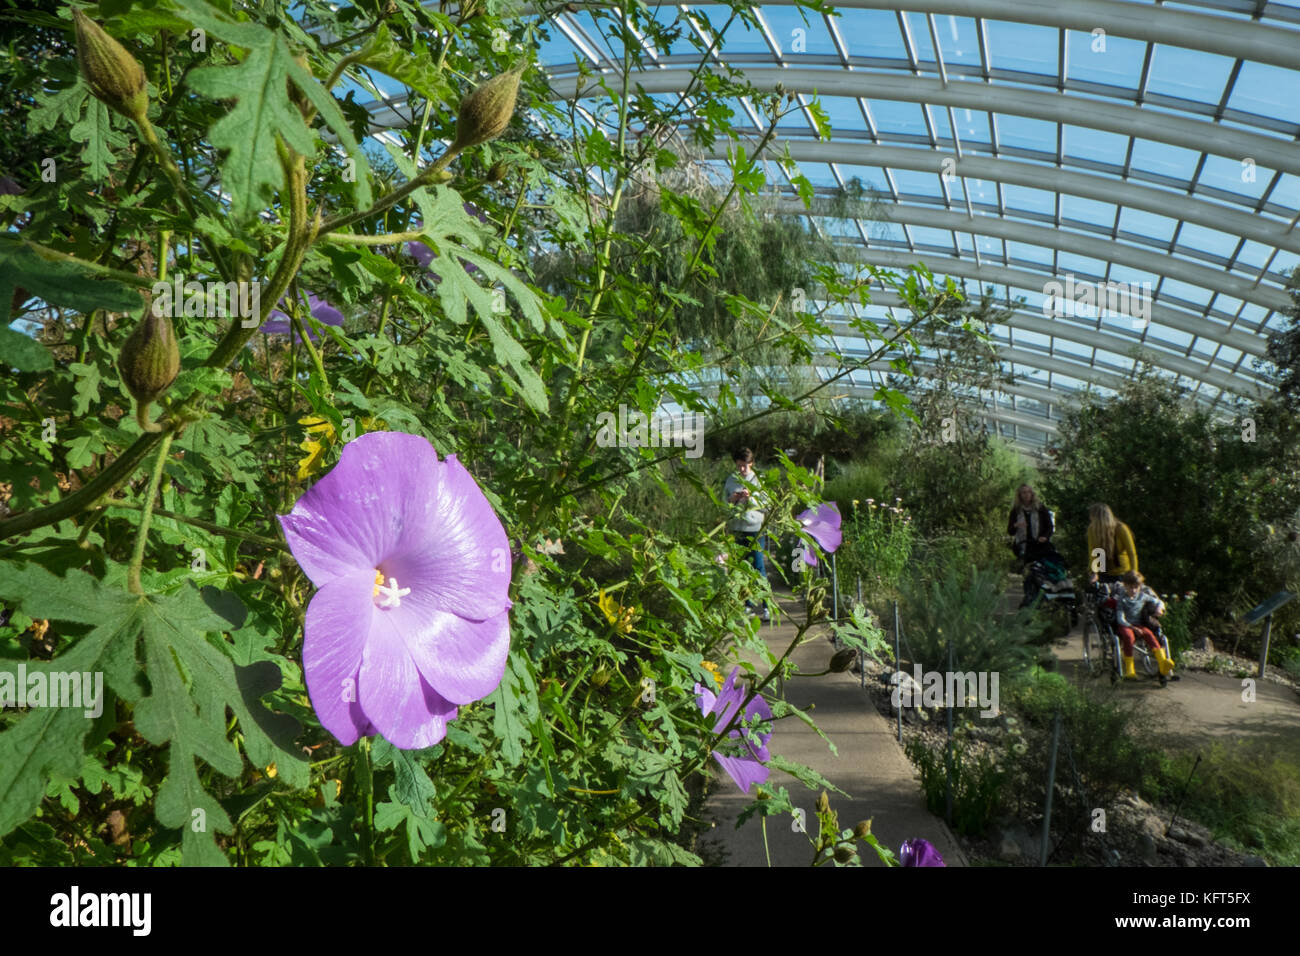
[1165, 663]
[1129, 672]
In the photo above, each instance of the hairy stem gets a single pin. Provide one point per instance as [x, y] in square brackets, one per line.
[142, 532]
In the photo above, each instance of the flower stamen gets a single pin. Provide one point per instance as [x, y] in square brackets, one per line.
[391, 595]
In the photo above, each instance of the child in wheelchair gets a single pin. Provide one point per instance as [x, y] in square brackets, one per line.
[1137, 614]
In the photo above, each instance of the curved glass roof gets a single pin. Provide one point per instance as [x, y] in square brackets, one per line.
[1129, 169]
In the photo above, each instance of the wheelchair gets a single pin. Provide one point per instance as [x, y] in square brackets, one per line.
[1102, 647]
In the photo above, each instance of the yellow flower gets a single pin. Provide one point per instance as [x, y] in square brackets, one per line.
[321, 437]
[617, 615]
[712, 668]
[314, 446]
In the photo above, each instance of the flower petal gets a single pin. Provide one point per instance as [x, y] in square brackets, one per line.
[408, 712]
[337, 629]
[322, 311]
[462, 660]
[919, 852]
[744, 772]
[380, 497]
[462, 564]
[823, 524]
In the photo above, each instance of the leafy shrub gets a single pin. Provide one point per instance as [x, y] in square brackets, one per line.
[976, 781]
[1178, 620]
[877, 546]
[1103, 750]
[966, 606]
[857, 481]
[1246, 791]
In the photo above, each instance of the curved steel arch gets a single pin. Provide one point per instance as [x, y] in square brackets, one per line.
[1163, 202]
[1054, 107]
[1016, 230]
[1237, 38]
[1112, 343]
[1245, 342]
[1159, 354]
[1225, 36]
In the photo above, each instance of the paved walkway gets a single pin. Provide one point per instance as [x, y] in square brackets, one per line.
[1201, 706]
[871, 768]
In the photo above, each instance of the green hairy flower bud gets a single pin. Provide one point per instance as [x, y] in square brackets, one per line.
[497, 172]
[862, 830]
[485, 113]
[149, 362]
[114, 76]
[845, 852]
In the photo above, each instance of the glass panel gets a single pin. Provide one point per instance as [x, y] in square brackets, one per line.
[1087, 210]
[1070, 263]
[1073, 349]
[844, 113]
[980, 191]
[1197, 295]
[1115, 61]
[1255, 254]
[921, 43]
[916, 183]
[740, 37]
[1020, 46]
[1145, 223]
[1228, 357]
[1095, 144]
[1286, 192]
[895, 116]
[1165, 160]
[1174, 338]
[1029, 253]
[1234, 176]
[972, 125]
[1208, 240]
[790, 30]
[871, 33]
[958, 39]
[1268, 91]
[1029, 199]
[927, 236]
[1188, 74]
[1029, 133]
[870, 177]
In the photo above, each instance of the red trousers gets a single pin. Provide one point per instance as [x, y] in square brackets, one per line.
[1126, 638]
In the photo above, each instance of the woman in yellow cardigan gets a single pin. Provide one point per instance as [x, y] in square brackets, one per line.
[1114, 540]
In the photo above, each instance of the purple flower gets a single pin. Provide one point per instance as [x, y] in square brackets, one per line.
[747, 769]
[278, 323]
[424, 255]
[919, 852]
[823, 525]
[411, 567]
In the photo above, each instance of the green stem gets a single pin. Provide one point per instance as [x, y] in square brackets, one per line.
[142, 533]
[173, 173]
[208, 526]
[365, 239]
[367, 779]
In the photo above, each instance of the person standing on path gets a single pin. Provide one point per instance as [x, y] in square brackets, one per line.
[743, 491]
[1114, 540]
[1030, 525]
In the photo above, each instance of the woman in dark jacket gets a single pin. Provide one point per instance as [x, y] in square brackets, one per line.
[1030, 525]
